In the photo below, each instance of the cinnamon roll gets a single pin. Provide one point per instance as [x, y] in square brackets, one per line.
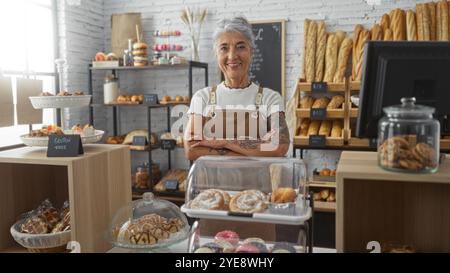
[211, 199]
[249, 201]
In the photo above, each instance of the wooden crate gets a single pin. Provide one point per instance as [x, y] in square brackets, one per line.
[303, 86]
[330, 141]
[331, 113]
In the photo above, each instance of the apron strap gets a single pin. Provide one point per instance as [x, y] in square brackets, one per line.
[259, 97]
[213, 101]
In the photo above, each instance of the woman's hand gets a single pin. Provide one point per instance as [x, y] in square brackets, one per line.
[213, 144]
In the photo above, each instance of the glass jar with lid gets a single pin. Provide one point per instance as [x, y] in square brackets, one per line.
[408, 138]
[142, 177]
[148, 224]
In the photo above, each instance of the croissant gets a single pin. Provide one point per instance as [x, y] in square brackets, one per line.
[283, 195]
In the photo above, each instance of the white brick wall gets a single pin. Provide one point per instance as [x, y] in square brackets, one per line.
[86, 30]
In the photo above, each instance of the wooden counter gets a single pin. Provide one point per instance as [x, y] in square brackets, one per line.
[391, 207]
[96, 184]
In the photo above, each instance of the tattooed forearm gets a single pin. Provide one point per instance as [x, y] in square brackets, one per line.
[248, 144]
[281, 128]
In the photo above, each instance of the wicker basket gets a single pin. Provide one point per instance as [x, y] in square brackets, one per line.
[41, 243]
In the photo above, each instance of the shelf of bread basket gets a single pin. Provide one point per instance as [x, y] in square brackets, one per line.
[33, 141]
[42, 102]
[303, 86]
[330, 113]
[51, 242]
[328, 140]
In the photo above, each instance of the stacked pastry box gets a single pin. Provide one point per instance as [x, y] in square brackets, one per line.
[232, 193]
[428, 22]
[321, 89]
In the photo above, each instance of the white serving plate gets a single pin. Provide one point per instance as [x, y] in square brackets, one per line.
[42, 102]
[43, 141]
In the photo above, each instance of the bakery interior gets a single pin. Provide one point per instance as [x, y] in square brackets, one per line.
[90, 161]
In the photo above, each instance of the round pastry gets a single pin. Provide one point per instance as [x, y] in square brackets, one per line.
[186, 98]
[325, 172]
[100, 57]
[166, 98]
[141, 53]
[249, 201]
[253, 240]
[283, 195]
[209, 199]
[261, 247]
[247, 248]
[111, 57]
[178, 98]
[218, 248]
[122, 98]
[204, 250]
[135, 98]
[228, 236]
[139, 46]
[283, 247]
[226, 246]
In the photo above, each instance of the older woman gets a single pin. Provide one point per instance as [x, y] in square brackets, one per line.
[234, 46]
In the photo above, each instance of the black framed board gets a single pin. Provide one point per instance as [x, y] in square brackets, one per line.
[268, 66]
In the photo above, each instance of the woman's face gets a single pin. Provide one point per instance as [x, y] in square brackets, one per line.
[234, 55]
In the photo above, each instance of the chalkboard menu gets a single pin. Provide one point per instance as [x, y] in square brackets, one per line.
[268, 64]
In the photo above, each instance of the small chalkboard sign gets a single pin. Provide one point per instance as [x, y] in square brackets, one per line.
[240, 214]
[373, 142]
[168, 144]
[319, 87]
[318, 113]
[64, 146]
[151, 99]
[317, 141]
[139, 141]
[171, 185]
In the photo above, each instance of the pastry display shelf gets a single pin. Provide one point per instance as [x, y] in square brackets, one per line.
[161, 105]
[321, 184]
[329, 141]
[325, 206]
[385, 206]
[303, 86]
[331, 113]
[190, 65]
[98, 179]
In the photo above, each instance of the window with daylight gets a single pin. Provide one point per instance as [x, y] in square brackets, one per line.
[27, 50]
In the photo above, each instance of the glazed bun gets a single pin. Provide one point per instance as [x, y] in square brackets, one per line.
[138, 46]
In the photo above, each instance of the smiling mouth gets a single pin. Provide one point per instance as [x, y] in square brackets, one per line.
[233, 65]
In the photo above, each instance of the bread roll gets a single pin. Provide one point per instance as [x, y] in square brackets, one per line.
[336, 130]
[399, 25]
[336, 102]
[305, 41]
[331, 58]
[363, 38]
[376, 33]
[432, 12]
[411, 30]
[306, 102]
[325, 128]
[314, 128]
[311, 52]
[344, 55]
[321, 102]
[304, 126]
[356, 32]
[419, 22]
[385, 22]
[320, 51]
[388, 35]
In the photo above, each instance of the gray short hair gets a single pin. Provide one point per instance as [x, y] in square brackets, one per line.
[236, 24]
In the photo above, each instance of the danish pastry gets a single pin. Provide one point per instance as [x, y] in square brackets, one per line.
[249, 201]
[211, 199]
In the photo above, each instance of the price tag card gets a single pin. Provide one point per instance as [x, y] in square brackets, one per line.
[317, 141]
[373, 142]
[139, 141]
[64, 146]
[168, 144]
[319, 87]
[318, 113]
[171, 185]
[151, 99]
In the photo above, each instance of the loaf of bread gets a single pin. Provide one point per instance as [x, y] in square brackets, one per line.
[355, 36]
[391, 22]
[304, 126]
[311, 52]
[343, 56]
[363, 38]
[388, 35]
[423, 22]
[336, 130]
[399, 25]
[432, 13]
[321, 102]
[411, 30]
[385, 22]
[325, 128]
[376, 33]
[305, 41]
[336, 102]
[320, 51]
[442, 23]
[314, 128]
[419, 21]
[340, 36]
[331, 58]
[426, 23]
[306, 102]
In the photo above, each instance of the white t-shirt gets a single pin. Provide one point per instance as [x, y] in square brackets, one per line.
[239, 99]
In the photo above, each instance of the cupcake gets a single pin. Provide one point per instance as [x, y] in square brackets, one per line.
[228, 236]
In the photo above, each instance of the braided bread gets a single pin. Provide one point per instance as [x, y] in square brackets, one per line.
[320, 51]
[331, 58]
[311, 52]
[344, 54]
[411, 32]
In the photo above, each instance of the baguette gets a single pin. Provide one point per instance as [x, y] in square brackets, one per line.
[343, 56]
[306, 102]
[325, 128]
[388, 35]
[385, 22]
[336, 130]
[364, 37]
[320, 51]
[305, 41]
[419, 22]
[340, 35]
[439, 21]
[391, 22]
[432, 13]
[411, 33]
[399, 25]
[331, 58]
[377, 33]
[426, 23]
[304, 126]
[442, 15]
[313, 128]
[356, 32]
[311, 52]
